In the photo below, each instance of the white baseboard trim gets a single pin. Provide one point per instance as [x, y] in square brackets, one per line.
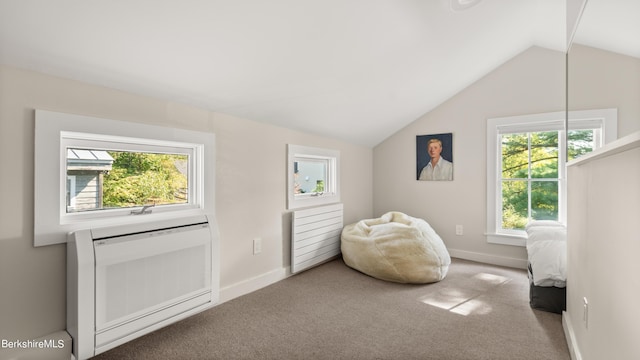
[489, 259]
[250, 285]
[570, 335]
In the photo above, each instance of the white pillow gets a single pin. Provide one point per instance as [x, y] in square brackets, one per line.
[540, 233]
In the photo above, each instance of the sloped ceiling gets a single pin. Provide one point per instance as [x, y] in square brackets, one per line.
[356, 70]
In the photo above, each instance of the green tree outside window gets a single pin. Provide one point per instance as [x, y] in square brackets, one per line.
[529, 174]
[138, 179]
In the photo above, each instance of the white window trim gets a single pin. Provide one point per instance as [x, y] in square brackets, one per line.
[332, 185]
[606, 119]
[54, 132]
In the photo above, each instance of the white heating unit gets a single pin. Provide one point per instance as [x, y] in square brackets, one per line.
[315, 235]
[126, 281]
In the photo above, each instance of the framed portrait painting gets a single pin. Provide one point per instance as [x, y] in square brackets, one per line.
[434, 157]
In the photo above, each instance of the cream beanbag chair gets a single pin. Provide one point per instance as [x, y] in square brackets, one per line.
[395, 247]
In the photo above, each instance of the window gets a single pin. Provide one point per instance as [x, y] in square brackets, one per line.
[312, 176]
[529, 178]
[526, 166]
[96, 172]
[123, 179]
[114, 175]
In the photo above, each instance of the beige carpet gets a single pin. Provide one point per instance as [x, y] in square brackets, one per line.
[333, 312]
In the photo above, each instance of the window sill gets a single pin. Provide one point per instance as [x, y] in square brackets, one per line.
[507, 239]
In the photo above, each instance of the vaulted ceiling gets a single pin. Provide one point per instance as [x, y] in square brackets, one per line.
[357, 70]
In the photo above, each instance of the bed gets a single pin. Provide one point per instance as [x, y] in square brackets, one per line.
[547, 265]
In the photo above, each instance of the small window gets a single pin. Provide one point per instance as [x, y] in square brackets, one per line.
[313, 176]
[97, 172]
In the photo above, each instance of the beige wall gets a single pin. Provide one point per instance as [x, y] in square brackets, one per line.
[602, 254]
[601, 79]
[602, 245]
[532, 82]
[250, 190]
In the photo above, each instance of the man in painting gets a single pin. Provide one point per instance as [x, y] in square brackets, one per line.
[438, 168]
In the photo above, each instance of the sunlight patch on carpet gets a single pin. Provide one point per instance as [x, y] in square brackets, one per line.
[465, 301]
[472, 306]
[491, 279]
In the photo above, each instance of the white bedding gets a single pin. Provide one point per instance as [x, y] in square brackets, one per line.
[547, 251]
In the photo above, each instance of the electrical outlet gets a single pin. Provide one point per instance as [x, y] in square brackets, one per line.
[257, 246]
[459, 230]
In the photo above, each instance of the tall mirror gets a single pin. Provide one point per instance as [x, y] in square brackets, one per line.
[603, 63]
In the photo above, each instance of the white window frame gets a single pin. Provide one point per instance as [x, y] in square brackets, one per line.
[331, 193]
[55, 132]
[604, 119]
[193, 152]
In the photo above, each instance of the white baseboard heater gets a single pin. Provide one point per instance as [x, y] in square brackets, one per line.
[315, 235]
[126, 281]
